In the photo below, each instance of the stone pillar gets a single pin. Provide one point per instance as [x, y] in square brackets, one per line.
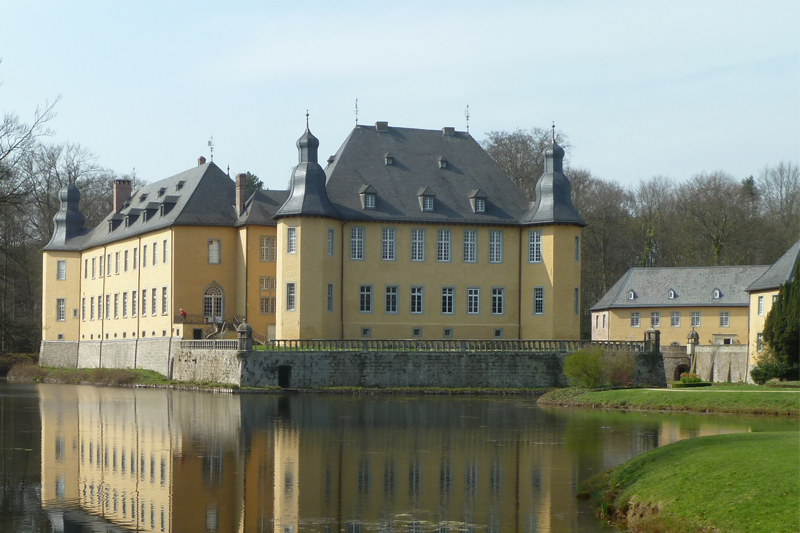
[652, 340]
[245, 339]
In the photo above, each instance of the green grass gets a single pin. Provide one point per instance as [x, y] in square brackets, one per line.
[426, 390]
[737, 483]
[743, 400]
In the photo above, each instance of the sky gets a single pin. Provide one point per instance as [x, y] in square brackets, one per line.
[640, 88]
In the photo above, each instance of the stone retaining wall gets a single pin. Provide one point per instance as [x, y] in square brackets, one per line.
[63, 354]
[723, 363]
[148, 354]
[218, 366]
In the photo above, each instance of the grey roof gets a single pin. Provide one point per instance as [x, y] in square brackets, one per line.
[553, 203]
[693, 286]
[205, 198]
[780, 272]
[307, 195]
[68, 221]
[261, 207]
[416, 155]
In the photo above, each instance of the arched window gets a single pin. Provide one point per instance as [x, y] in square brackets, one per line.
[213, 305]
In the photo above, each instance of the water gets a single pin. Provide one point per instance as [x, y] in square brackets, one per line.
[81, 458]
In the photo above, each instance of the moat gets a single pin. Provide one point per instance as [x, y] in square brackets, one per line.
[83, 458]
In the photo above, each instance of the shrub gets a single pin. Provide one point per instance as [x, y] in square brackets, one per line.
[584, 367]
[619, 368]
[783, 384]
[688, 377]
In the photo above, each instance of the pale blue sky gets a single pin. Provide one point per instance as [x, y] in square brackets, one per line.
[641, 88]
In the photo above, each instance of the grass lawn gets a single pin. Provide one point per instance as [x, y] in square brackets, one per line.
[737, 483]
[747, 399]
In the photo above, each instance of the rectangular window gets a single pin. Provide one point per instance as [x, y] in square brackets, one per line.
[330, 241]
[155, 253]
[144, 254]
[418, 245]
[291, 240]
[154, 301]
[61, 270]
[125, 304]
[267, 305]
[724, 319]
[759, 341]
[267, 247]
[144, 301]
[330, 297]
[290, 296]
[83, 309]
[416, 300]
[634, 319]
[577, 301]
[108, 307]
[365, 299]
[61, 309]
[164, 252]
[538, 300]
[100, 307]
[85, 268]
[695, 319]
[470, 246]
[116, 306]
[534, 246]
[577, 248]
[427, 203]
[101, 266]
[495, 246]
[91, 308]
[388, 244]
[447, 300]
[443, 245]
[473, 301]
[390, 305]
[108, 265]
[760, 305]
[213, 252]
[164, 301]
[655, 319]
[675, 319]
[134, 303]
[135, 258]
[116, 263]
[267, 283]
[356, 244]
[498, 301]
[125, 262]
[94, 260]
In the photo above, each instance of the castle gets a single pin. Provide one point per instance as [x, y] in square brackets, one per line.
[407, 233]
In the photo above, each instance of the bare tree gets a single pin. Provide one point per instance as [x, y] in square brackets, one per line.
[650, 202]
[779, 191]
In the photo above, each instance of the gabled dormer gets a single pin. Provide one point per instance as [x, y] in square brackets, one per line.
[167, 204]
[442, 162]
[717, 294]
[388, 159]
[149, 211]
[368, 196]
[477, 200]
[131, 216]
[671, 294]
[426, 198]
[114, 221]
[631, 295]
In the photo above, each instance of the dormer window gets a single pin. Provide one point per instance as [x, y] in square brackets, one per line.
[427, 203]
[367, 194]
[477, 200]
[161, 191]
[442, 162]
[142, 198]
[717, 294]
[426, 196]
[480, 205]
[631, 295]
[179, 185]
[388, 159]
[671, 294]
[369, 201]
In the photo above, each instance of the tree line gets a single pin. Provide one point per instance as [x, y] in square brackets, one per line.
[712, 218]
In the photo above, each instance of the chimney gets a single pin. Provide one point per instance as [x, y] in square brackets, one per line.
[201, 161]
[122, 192]
[240, 194]
[448, 131]
[382, 126]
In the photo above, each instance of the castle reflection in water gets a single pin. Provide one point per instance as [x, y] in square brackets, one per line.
[160, 460]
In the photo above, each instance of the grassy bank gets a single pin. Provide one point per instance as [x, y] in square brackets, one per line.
[732, 399]
[427, 390]
[8, 360]
[737, 483]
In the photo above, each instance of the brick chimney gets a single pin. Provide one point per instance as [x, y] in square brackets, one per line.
[241, 188]
[201, 161]
[122, 192]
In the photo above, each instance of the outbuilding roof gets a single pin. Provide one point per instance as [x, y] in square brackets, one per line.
[780, 272]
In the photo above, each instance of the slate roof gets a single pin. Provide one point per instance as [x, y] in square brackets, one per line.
[553, 203]
[360, 161]
[780, 272]
[694, 286]
[261, 207]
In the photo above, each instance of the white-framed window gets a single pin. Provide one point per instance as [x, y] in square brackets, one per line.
[85, 268]
[365, 299]
[417, 244]
[144, 302]
[61, 269]
[100, 307]
[266, 283]
[164, 252]
[634, 319]
[164, 301]
[427, 203]
[291, 240]
[695, 319]
[213, 252]
[473, 301]
[330, 298]
[717, 294]
[480, 205]
[470, 246]
[496, 246]
[93, 266]
[576, 301]
[331, 235]
[388, 244]
[577, 248]
[671, 294]
[144, 256]
[83, 309]
[498, 300]
[213, 303]
[108, 265]
[655, 319]
[538, 300]
[760, 306]
[125, 262]
[631, 295]
[154, 301]
[291, 289]
[759, 341]
[724, 319]
[108, 307]
[266, 305]
[155, 253]
[369, 201]
[390, 299]
[91, 308]
[534, 246]
[135, 258]
[443, 245]
[134, 303]
[417, 294]
[675, 319]
[61, 309]
[116, 262]
[125, 304]
[356, 244]
[447, 300]
[268, 246]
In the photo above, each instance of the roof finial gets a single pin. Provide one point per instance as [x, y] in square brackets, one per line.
[554, 132]
[356, 111]
[229, 169]
[211, 147]
[466, 114]
[306, 118]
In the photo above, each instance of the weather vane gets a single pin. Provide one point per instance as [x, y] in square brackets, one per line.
[306, 118]
[554, 131]
[466, 114]
[211, 147]
[356, 111]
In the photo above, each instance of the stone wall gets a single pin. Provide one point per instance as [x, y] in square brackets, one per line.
[63, 354]
[723, 363]
[156, 354]
[219, 366]
[649, 370]
[89, 354]
[675, 358]
[118, 354]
